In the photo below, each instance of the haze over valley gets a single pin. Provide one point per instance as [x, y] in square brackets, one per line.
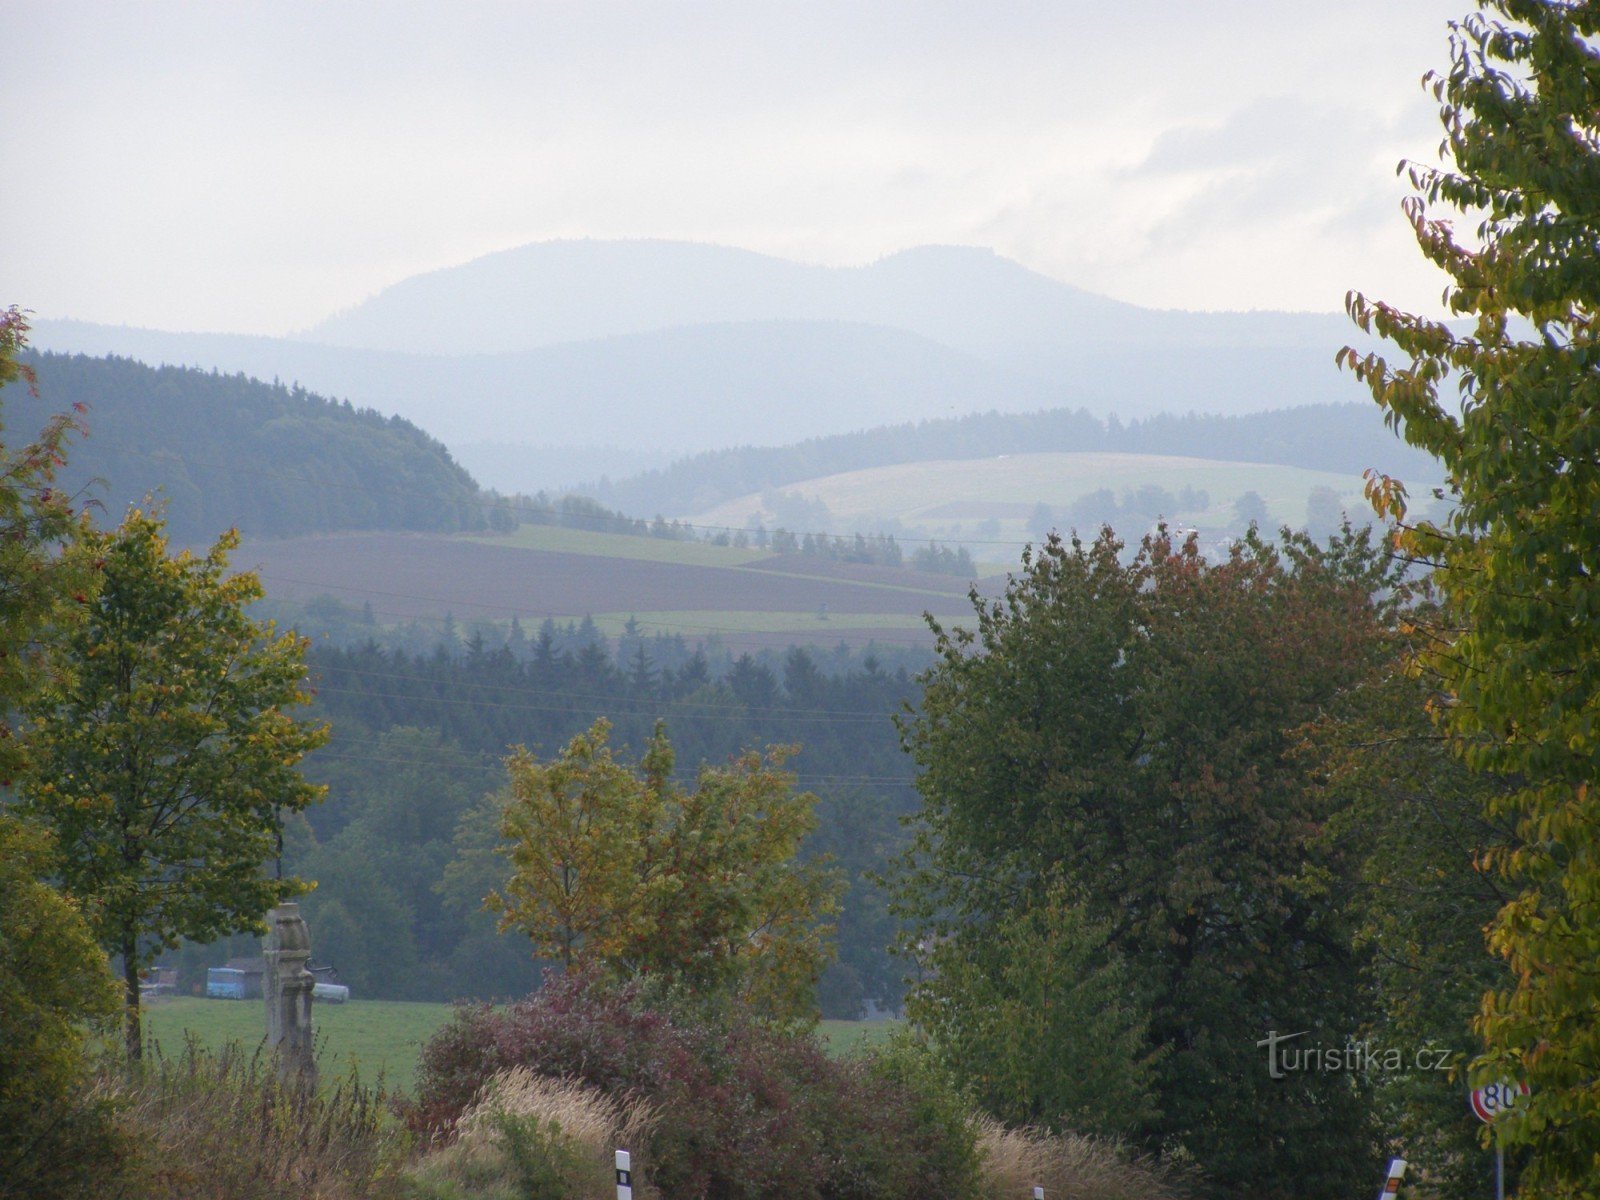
[554, 364]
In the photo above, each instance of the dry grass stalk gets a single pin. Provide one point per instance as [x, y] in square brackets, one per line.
[593, 1124]
[223, 1126]
[1068, 1166]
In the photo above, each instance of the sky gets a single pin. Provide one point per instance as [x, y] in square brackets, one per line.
[253, 167]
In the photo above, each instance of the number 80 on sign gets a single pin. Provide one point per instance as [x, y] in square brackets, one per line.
[1494, 1100]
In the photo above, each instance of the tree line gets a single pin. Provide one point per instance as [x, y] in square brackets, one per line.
[1325, 437]
[419, 736]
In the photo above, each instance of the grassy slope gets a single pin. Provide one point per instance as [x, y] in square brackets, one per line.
[940, 494]
[376, 1036]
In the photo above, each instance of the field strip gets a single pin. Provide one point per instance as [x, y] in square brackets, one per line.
[663, 550]
[844, 581]
[713, 620]
[620, 545]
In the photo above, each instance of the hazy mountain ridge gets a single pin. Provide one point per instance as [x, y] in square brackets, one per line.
[968, 298]
[678, 348]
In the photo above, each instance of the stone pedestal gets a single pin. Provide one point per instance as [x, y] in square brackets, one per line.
[287, 986]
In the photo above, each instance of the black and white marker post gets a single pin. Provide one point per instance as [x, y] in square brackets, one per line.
[1391, 1180]
[624, 1176]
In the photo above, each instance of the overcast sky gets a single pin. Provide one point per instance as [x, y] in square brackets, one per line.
[253, 167]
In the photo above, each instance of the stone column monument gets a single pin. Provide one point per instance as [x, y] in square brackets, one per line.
[287, 986]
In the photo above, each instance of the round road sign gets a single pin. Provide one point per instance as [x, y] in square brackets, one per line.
[1496, 1099]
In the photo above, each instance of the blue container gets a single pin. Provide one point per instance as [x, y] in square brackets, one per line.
[224, 983]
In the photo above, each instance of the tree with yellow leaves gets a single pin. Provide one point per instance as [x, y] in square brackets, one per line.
[622, 869]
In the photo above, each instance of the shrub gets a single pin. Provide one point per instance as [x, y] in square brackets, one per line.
[742, 1111]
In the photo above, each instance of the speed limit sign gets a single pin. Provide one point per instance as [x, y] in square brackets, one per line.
[1494, 1100]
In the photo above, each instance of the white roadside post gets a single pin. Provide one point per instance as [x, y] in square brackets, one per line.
[1489, 1103]
[1038, 1193]
[1392, 1178]
[624, 1176]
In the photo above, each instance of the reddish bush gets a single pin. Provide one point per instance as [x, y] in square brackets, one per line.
[744, 1111]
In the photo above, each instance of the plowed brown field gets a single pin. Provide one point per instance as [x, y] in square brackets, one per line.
[406, 576]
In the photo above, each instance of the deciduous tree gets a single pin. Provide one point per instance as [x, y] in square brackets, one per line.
[39, 584]
[165, 758]
[1519, 559]
[1112, 740]
[624, 869]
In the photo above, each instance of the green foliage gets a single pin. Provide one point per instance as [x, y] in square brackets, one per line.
[545, 1160]
[230, 451]
[943, 1135]
[1413, 820]
[449, 716]
[698, 889]
[1519, 651]
[39, 585]
[1112, 742]
[1038, 1017]
[378, 848]
[165, 761]
[55, 1136]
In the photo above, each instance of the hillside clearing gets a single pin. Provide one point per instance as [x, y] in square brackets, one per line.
[952, 497]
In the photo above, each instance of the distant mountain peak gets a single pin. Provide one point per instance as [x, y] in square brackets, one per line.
[968, 297]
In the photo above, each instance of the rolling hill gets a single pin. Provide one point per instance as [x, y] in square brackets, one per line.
[230, 451]
[996, 502]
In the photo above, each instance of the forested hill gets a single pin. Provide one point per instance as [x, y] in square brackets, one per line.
[1346, 438]
[226, 450]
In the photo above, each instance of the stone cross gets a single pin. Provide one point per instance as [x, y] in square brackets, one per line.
[287, 986]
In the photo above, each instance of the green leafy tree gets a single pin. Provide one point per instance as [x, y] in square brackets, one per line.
[55, 1140]
[166, 759]
[1413, 820]
[54, 981]
[622, 869]
[39, 584]
[1112, 740]
[1043, 1024]
[1517, 561]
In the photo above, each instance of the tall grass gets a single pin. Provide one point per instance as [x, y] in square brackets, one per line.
[1068, 1166]
[531, 1135]
[223, 1126]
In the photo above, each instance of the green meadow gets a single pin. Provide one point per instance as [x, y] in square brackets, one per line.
[377, 1038]
[952, 497]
